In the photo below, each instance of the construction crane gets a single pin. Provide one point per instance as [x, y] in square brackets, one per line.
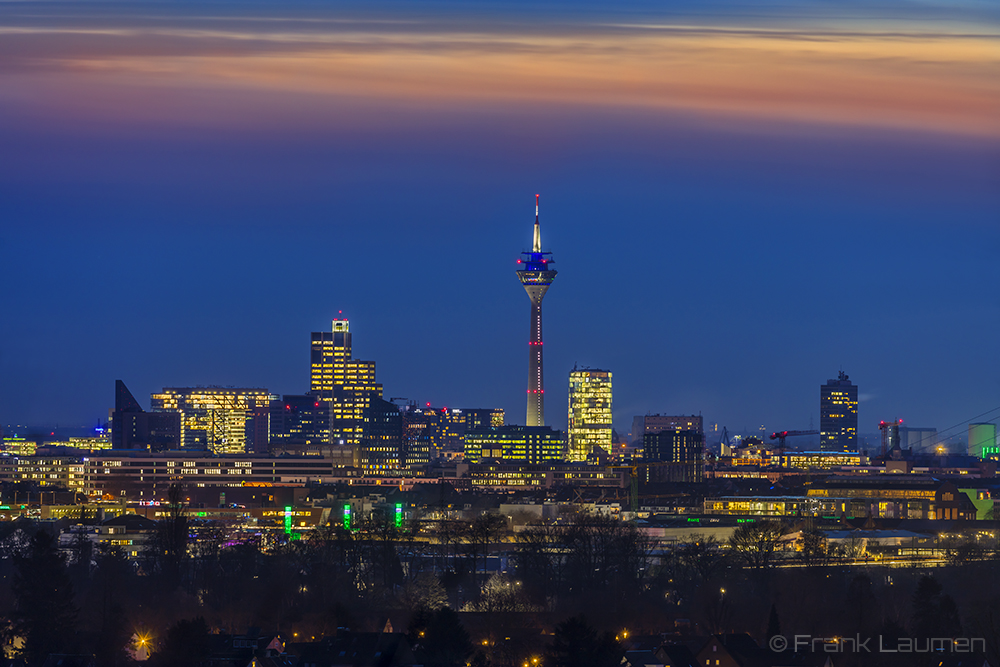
[781, 435]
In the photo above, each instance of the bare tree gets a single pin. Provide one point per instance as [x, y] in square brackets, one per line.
[755, 542]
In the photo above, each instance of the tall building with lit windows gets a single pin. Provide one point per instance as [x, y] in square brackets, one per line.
[224, 420]
[344, 385]
[536, 277]
[838, 415]
[589, 423]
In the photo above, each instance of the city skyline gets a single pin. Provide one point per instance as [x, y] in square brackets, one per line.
[185, 201]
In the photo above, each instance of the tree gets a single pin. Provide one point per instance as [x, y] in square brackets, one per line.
[443, 642]
[773, 624]
[187, 643]
[484, 530]
[701, 555]
[576, 644]
[934, 612]
[44, 613]
[425, 591]
[813, 545]
[168, 550]
[500, 595]
[755, 542]
[113, 575]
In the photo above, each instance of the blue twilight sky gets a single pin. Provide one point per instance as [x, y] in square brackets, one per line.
[741, 201]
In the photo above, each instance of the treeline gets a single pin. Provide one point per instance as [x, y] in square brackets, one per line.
[199, 578]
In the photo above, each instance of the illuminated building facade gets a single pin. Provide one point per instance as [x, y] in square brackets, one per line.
[526, 444]
[479, 418]
[344, 385]
[384, 451]
[684, 451]
[589, 422]
[221, 420]
[838, 415]
[439, 430]
[61, 472]
[982, 440]
[433, 430]
[18, 446]
[148, 475]
[134, 428]
[821, 460]
[504, 475]
[536, 277]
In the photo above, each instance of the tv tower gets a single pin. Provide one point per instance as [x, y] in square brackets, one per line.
[536, 277]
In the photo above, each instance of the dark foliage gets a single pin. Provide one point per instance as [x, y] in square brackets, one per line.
[577, 644]
[187, 643]
[44, 613]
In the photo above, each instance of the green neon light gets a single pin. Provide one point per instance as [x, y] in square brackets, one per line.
[288, 520]
[347, 517]
[399, 515]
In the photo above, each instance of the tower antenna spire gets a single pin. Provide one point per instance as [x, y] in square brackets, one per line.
[537, 245]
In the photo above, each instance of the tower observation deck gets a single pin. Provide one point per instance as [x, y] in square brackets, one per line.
[534, 273]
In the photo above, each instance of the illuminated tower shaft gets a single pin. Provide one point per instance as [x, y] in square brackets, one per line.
[535, 275]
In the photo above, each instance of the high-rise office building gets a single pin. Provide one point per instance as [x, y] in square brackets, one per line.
[384, 450]
[524, 444]
[300, 419]
[656, 423]
[344, 385]
[480, 418]
[134, 428]
[589, 423]
[983, 440]
[680, 453]
[838, 415]
[437, 430]
[225, 420]
[536, 277]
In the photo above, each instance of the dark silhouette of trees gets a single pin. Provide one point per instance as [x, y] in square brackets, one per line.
[113, 575]
[755, 542]
[814, 547]
[701, 556]
[186, 643]
[44, 613]
[168, 551]
[484, 531]
[935, 613]
[576, 644]
[439, 637]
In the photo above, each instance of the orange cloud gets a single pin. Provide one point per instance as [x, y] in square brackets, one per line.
[931, 81]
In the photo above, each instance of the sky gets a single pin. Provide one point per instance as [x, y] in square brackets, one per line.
[742, 199]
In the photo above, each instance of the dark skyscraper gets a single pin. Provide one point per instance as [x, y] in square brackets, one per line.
[682, 450]
[134, 428]
[384, 448]
[536, 277]
[838, 415]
